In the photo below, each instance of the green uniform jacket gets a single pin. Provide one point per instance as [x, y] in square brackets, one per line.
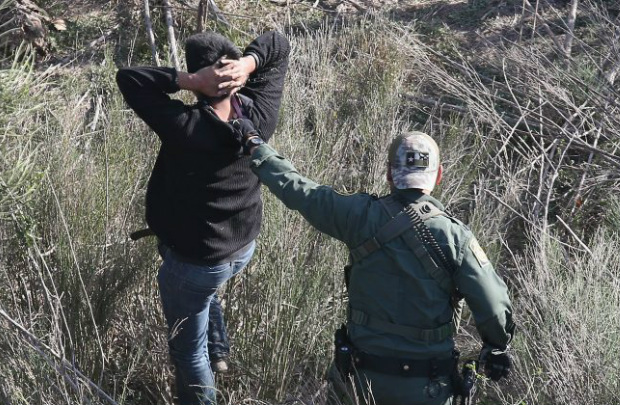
[391, 284]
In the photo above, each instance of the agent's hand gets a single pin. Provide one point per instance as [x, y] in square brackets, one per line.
[244, 129]
[497, 363]
[237, 71]
[245, 133]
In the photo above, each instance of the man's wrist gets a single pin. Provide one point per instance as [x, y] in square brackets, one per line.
[250, 63]
[186, 81]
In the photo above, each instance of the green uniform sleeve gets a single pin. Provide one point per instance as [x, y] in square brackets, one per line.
[328, 211]
[486, 295]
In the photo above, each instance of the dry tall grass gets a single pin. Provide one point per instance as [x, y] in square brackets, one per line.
[531, 164]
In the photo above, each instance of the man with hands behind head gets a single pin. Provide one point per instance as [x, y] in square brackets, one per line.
[409, 259]
[202, 202]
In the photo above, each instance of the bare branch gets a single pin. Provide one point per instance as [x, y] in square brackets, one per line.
[574, 235]
[544, 24]
[219, 15]
[149, 32]
[513, 121]
[64, 368]
[171, 38]
[91, 45]
[572, 17]
[201, 15]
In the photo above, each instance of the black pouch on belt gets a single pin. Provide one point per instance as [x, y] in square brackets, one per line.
[343, 356]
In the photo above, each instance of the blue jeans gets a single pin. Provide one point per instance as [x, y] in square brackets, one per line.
[217, 345]
[186, 291]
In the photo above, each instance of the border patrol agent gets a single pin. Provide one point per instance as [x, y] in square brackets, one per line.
[409, 260]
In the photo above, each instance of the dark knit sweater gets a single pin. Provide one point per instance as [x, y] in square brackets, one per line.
[202, 199]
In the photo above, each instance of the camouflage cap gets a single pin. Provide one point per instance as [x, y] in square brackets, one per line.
[414, 160]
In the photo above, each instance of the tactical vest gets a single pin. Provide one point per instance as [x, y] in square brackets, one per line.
[425, 247]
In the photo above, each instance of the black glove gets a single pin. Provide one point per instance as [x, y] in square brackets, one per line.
[244, 130]
[497, 363]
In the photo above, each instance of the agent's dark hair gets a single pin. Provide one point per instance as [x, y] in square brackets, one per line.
[205, 48]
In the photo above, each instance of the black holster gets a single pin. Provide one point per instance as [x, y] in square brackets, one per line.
[347, 275]
[343, 352]
[464, 383]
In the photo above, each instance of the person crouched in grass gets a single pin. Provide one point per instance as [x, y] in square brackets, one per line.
[202, 202]
[410, 259]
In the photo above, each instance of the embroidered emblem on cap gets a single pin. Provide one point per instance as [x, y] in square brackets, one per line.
[416, 159]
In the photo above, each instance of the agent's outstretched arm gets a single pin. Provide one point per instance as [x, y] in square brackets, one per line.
[328, 211]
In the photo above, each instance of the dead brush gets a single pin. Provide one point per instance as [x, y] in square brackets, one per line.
[529, 135]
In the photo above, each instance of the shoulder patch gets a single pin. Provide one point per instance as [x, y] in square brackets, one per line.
[478, 252]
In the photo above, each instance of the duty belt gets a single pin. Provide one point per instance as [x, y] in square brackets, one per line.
[434, 335]
[422, 368]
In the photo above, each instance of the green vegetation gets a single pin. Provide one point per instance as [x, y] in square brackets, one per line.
[529, 137]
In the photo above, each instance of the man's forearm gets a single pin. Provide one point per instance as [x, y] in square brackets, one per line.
[146, 89]
[266, 83]
[269, 48]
